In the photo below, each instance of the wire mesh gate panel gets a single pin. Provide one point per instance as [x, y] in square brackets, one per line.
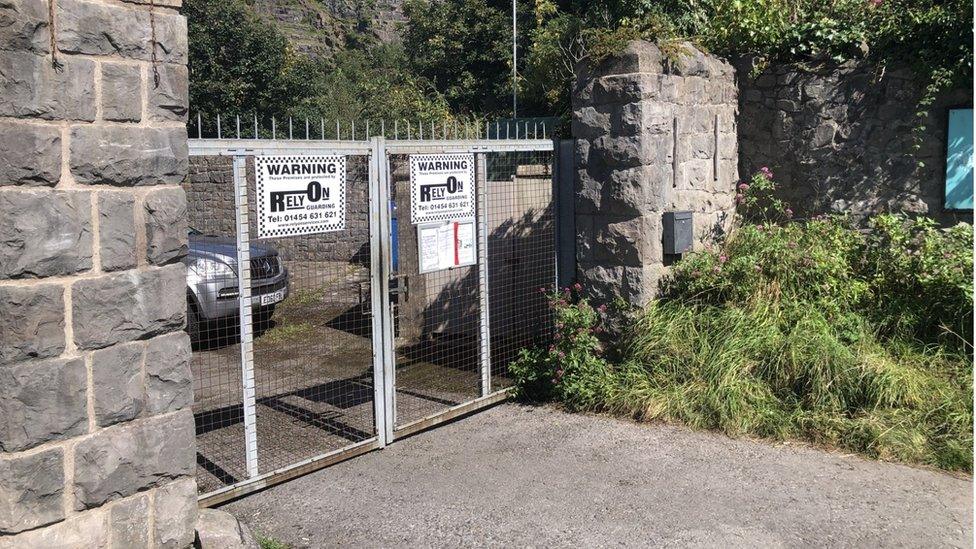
[313, 348]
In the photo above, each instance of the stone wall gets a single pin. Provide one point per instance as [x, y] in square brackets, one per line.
[839, 138]
[652, 136]
[210, 204]
[96, 433]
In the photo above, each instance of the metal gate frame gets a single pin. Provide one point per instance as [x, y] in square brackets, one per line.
[378, 149]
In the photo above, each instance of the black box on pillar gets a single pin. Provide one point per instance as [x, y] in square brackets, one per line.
[678, 231]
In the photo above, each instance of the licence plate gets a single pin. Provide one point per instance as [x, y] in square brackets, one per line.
[272, 298]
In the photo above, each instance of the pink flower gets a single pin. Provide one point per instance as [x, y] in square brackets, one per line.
[766, 172]
[602, 308]
[561, 355]
[577, 286]
[789, 212]
[722, 259]
[743, 186]
[739, 199]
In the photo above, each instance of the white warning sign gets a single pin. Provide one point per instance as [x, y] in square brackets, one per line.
[446, 245]
[300, 195]
[441, 187]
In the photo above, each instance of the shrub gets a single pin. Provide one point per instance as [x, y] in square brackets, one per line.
[572, 368]
[807, 329]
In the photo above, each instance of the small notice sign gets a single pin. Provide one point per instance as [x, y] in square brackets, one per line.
[300, 195]
[446, 245]
[441, 187]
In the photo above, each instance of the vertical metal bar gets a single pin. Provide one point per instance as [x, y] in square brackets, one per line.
[337, 129]
[379, 241]
[383, 127]
[543, 130]
[420, 125]
[244, 314]
[322, 128]
[307, 135]
[481, 188]
[237, 119]
[274, 129]
[256, 136]
[352, 128]
[386, 268]
[396, 129]
[514, 61]
[218, 125]
[367, 129]
[199, 125]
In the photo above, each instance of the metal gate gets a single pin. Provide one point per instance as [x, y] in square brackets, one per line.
[312, 349]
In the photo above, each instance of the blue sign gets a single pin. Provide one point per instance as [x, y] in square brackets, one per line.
[959, 160]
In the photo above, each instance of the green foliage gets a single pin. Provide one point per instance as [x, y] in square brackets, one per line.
[933, 36]
[571, 368]
[238, 63]
[241, 64]
[809, 330]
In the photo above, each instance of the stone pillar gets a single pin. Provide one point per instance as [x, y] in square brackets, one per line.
[654, 133]
[96, 431]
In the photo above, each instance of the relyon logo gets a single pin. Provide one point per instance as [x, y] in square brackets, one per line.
[295, 200]
[431, 192]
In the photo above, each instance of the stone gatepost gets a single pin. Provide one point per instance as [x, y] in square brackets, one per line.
[654, 133]
[96, 431]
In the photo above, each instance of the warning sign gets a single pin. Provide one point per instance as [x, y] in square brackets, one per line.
[300, 195]
[446, 245]
[441, 187]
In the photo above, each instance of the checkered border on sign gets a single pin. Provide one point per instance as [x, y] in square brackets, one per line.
[443, 216]
[338, 225]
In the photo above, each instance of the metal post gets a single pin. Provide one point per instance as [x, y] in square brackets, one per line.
[385, 312]
[199, 125]
[289, 129]
[218, 126]
[514, 61]
[307, 135]
[256, 136]
[244, 314]
[274, 129]
[379, 242]
[337, 129]
[322, 128]
[237, 119]
[481, 188]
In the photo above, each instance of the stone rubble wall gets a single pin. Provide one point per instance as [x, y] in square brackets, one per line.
[841, 138]
[96, 431]
[652, 135]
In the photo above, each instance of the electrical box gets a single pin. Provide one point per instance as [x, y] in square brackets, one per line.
[678, 232]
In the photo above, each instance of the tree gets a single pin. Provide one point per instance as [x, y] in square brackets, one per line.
[239, 63]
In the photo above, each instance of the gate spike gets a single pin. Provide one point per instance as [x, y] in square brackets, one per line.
[306, 129]
[383, 126]
[367, 128]
[289, 129]
[337, 129]
[218, 125]
[322, 128]
[237, 119]
[396, 129]
[274, 128]
[256, 125]
[199, 126]
[352, 128]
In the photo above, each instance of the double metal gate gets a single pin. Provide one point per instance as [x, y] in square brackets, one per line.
[312, 349]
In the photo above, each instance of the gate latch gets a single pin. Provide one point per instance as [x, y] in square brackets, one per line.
[400, 285]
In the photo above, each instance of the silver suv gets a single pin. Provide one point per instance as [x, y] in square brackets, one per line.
[212, 287]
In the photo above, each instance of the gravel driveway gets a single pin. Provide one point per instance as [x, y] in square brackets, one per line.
[521, 476]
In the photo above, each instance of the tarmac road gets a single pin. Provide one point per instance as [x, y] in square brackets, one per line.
[525, 476]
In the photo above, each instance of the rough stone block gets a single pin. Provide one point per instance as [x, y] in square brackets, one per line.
[31, 487]
[588, 122]
[632, 191]
[24, 27]
[166, 226]
[31, 321]
[169, 381]
[118, 383]
[86, 531]
[637, 56]
[44, 233]
[176, 514]
[625, 88]
[116, 230]
[170, 100]
[127, 306]
[42, 401]
[30, 86]
[642, 118]
[127, 156]
[121, 460]
[630, 151]
[121, 92]
[633, 241]
[129, 522]
[102, 29]
[604, 283]
[30, 154]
